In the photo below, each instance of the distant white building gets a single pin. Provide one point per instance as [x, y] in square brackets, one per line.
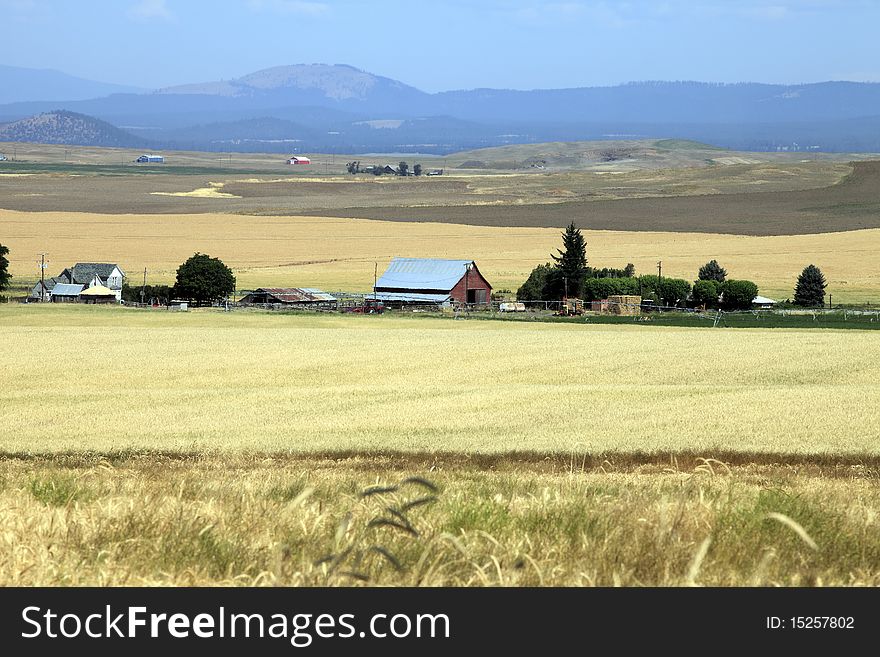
[763, 303]
[298, 159]
[151, 158]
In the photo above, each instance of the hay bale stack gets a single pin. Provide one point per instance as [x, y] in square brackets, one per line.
[624, 304]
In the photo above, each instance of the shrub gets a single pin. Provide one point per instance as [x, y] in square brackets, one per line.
[602, 288]
[533, 288]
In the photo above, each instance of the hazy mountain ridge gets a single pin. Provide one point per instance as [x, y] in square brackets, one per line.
[331, 105]
[19, 84]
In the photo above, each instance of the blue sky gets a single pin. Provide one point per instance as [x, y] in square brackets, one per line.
[439, 45]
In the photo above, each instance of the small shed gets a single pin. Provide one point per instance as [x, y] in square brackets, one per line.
[66, 292]
[98, 294]
[40, 292]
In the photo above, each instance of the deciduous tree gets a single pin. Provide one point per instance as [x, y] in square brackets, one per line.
[204, 279]
[738, 295]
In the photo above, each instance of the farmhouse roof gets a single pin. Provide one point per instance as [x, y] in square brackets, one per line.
[423, 274]
[84, 272]
[67, 289]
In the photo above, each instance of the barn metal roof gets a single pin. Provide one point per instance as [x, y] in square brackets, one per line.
[423, 274]
[67, 290]
[409, 297]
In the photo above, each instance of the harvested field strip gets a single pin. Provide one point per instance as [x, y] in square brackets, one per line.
[853, 204]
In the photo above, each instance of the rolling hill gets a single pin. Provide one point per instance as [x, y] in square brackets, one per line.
[63, 127]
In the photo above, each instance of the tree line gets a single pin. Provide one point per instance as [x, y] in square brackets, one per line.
[568, 275]
[402, 169]
[204, 279]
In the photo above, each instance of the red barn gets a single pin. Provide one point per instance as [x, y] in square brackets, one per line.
[298, 159]
[430, 281]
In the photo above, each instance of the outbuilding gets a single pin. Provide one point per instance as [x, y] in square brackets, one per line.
[763, 303]
[303, 297]
[66, 292]
[98, 294]
[432, 281]
[298, 159]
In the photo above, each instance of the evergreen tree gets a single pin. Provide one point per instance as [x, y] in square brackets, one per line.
[712, 271]
[417, 170]
[4, 268]
[810, 288]
[402, 168]
[571, 263]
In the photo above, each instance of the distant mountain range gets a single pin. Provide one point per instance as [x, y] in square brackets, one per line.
[336, 108]
[28, 84]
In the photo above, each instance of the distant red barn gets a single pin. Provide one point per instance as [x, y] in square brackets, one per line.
[298, 159]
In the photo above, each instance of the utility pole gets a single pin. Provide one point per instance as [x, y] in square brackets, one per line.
[467, 271]
[565, 280]
[375, 276]
[42, 277]
[659, 270]
[144, 286]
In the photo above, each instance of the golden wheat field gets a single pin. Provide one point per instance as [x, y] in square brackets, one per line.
[142, 447]
[105, 379]
[260, 520]
[339, 254]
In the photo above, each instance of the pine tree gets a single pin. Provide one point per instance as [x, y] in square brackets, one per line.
[4, 268]
[810, 288]
[712, 271]
[571, 263]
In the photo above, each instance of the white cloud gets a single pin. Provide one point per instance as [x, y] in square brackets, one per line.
[148, 10]
[302, 7]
